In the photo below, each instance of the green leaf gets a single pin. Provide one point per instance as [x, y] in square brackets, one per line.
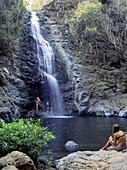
[26, 135]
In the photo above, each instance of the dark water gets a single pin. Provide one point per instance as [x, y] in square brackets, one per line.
[90, 133]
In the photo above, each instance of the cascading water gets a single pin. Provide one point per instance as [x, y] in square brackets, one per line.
[46, 60]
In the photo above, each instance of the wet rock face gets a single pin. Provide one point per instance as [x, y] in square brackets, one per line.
[29, 64]
[34, 80]
[19, 78]
[12, 87]
[95, 67]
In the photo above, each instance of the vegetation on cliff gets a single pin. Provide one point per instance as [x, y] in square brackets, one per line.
[11, 12]
[37, 5]
[85, 17]
[92, 20]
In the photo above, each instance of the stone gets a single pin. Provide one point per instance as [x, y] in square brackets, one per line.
[90, 160]
[71, 146]
[5, 114]
[9, 168]
[17, 159]
[123, 112]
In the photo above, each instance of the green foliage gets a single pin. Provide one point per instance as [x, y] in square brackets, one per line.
[35, 5]
[11, 17]
[87, 9]
[85, 16]
[25, 135]
[90, 30]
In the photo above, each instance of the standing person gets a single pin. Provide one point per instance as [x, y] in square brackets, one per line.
[37, 102]
[117, 140]
[47, 106]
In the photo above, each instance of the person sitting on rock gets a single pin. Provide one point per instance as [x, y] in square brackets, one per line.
[37, 102]
[117, 140]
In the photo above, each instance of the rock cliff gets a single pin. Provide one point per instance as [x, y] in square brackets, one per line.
[13, 92]
[94, 64]
[91, 68]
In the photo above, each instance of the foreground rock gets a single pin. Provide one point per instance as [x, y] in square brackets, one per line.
[10, 167]
[97, 160]
[16, 160]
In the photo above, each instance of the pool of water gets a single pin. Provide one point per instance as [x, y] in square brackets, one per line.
[90, 133]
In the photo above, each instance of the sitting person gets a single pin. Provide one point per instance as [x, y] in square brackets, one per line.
[117, 140]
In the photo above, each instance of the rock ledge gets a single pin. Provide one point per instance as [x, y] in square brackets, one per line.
[94, 160]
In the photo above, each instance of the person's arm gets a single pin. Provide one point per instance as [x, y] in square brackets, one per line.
[114, 139]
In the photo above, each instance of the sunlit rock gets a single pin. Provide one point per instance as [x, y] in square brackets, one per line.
[17, 159]
[9, 167]
[108, 160]
[71, 146]
[123, 112]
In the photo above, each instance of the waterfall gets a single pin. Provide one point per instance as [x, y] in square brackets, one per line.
[46, 68]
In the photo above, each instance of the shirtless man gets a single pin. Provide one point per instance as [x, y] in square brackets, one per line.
[37, 102]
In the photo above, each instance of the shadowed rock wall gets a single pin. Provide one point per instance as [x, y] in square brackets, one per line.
[13, 92]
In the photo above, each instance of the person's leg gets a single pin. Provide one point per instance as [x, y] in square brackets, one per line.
[36, 106]
[109, 143]
[106, 145]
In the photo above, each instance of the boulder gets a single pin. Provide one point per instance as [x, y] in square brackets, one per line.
[10, 167]
[88, 160]
[17, 159]
[123, 112]
[71, 146]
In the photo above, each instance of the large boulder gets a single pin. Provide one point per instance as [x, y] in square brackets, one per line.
[18, 159]
[10, 167]
[88, 160]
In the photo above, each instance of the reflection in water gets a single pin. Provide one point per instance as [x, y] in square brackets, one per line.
[90, 133]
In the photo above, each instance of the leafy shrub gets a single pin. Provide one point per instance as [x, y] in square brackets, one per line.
[25, 135]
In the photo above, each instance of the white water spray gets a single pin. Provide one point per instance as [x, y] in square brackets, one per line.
[46, 67]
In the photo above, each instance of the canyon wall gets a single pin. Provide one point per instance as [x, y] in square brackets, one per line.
[95, 64]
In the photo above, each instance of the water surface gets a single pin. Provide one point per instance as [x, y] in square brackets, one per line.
[90, 133]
